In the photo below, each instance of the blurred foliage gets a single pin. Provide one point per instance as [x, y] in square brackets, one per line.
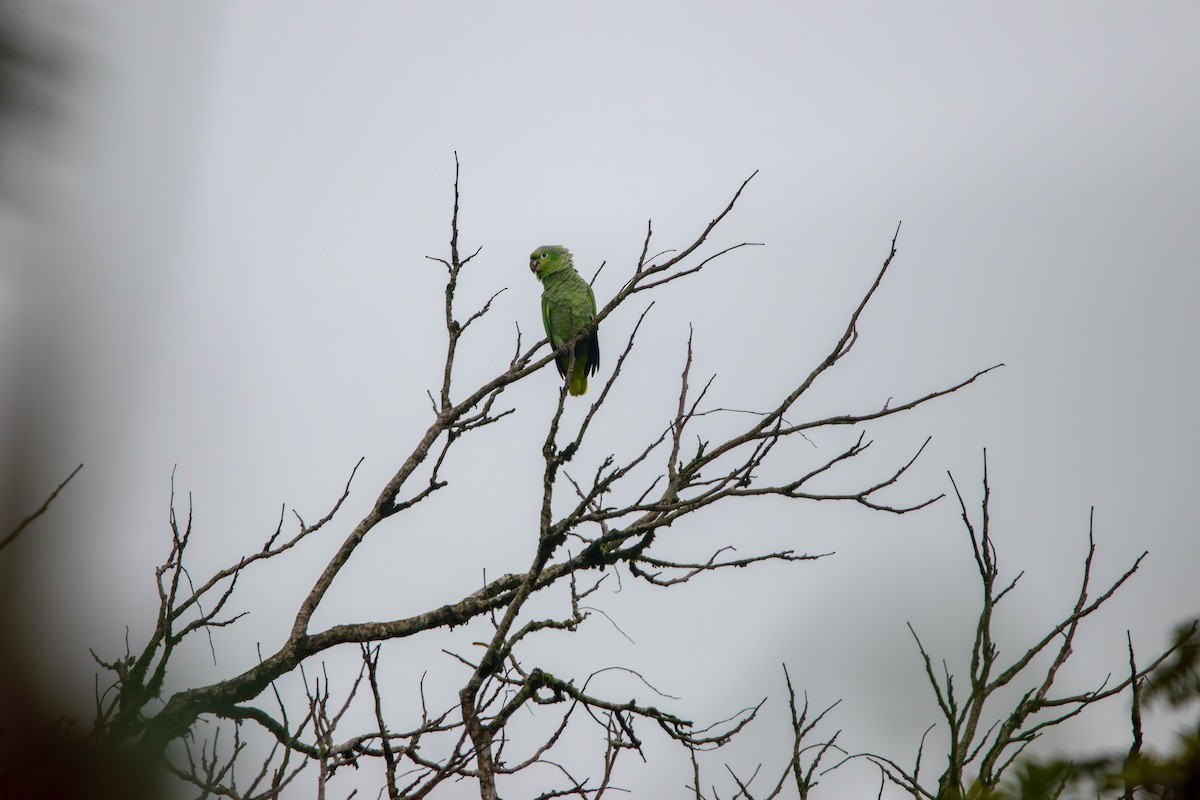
[1177, 681]
[1171, 776]
[30, 64]
[1045, 781]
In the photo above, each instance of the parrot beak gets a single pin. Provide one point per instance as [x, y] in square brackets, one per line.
[533, 266]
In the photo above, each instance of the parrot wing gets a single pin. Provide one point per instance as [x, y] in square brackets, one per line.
[555, 342]
[593, 359]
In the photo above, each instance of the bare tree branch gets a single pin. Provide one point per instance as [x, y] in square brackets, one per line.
[620, 513]
[992, 752]
[23, 524]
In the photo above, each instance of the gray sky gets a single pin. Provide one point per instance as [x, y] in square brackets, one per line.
[226, 273]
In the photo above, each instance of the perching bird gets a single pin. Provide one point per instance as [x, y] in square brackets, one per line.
[567, 305]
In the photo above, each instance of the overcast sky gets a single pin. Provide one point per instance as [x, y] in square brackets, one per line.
[225, 275]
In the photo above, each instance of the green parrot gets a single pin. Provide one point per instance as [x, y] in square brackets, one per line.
[567, 305]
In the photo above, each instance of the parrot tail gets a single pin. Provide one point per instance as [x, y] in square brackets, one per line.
[578, 385]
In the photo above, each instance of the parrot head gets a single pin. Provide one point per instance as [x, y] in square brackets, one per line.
[548, 259]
